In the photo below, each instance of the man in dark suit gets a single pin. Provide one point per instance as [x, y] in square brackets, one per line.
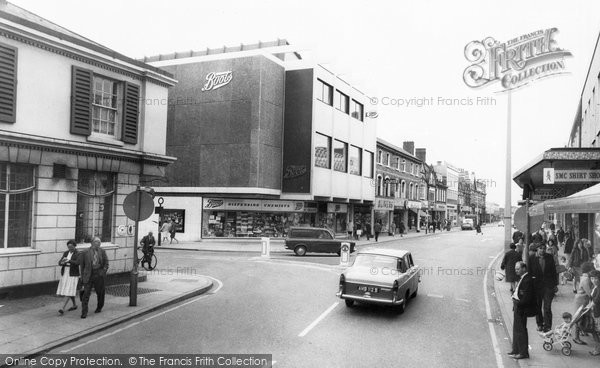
[523, 306]
[545, 280]
[94, 264]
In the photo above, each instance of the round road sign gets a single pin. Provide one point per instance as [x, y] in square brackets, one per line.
[130, 205]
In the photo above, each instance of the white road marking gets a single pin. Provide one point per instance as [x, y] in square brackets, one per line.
[319, 319]
[435, 296]
[463, 300]
[149, 318]
[488, 312]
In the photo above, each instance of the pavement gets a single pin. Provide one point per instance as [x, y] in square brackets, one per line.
[563, 302]
[31, 326]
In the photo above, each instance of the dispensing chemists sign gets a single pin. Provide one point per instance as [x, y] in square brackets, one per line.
[516, 62]
[552, 176]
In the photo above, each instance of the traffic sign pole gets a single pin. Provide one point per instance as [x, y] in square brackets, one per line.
[133, 281]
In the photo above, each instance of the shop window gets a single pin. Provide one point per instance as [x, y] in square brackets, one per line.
[324, 92]
[342, 102]
[16, 205]
[322, 151]
[368, 164]
[355, 160]
[340, 156]
[95, 198]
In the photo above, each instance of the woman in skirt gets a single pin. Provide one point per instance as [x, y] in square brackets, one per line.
[67, 286]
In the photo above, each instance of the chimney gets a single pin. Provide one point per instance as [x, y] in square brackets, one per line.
[409, 147]
[422, 154]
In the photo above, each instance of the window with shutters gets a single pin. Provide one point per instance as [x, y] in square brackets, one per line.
[103, 107]
[17, 183]
[106, 106]
[95, 194]
[8, 83]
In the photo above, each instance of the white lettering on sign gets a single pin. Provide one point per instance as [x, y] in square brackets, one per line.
[576, 176]
[217, 80]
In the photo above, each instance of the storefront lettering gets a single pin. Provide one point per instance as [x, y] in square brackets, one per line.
[217, 80]
[213, 203]
[294, 171]
[566, 176]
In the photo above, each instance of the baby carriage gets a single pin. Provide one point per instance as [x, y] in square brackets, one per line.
[562, 334]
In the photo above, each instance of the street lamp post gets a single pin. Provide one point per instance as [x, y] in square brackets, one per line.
[507, 194]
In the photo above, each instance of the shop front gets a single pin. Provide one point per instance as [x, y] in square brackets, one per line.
[250, 218]
[362, 214]
[384, 212]
[414, 214]
[452, 214]
[400, 214]
[336, 217]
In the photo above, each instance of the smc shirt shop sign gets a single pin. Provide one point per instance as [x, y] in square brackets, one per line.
[217, 80]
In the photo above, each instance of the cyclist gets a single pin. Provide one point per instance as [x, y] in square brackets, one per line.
[147, 244]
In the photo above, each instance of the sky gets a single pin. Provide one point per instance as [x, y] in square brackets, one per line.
[393, 51]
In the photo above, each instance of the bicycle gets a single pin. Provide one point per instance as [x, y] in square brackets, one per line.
[148, 258]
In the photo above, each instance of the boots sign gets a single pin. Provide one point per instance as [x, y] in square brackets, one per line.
[217, 80]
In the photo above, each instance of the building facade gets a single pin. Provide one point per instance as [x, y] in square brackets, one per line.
[76, 136]
[450, 174]
[265, 141]
[398, 186]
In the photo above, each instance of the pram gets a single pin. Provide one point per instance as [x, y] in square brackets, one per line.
[562, 334]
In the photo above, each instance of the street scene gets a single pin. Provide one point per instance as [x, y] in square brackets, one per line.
[261, 184]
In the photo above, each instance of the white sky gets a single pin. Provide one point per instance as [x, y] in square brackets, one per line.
[395, 49]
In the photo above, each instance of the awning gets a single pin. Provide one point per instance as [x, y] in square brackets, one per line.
[585, 201]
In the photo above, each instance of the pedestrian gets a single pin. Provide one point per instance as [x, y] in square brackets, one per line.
[552, 249]
[433, 226]
[574, 263]
[94, 264]
[478, 228]
[401, 228]
[377, 229]
[545, 281]
[569, 243]
[368, 230]
[517, 235]
[165, 231]
[523, 306]
[595, 277]
[393, 228]
[583, 296]
[172, 231]
[587, 251]
[560, 236]
[350, 229]
[508, 266]
[69, 276]
[147, 243]
[359, 231]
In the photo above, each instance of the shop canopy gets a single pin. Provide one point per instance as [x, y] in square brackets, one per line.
[585, 201]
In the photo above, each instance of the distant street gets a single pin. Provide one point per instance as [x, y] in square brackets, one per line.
[287, 307]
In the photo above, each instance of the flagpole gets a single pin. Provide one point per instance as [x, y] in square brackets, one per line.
[507, 195]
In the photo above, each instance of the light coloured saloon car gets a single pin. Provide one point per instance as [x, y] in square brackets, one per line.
[380, 276]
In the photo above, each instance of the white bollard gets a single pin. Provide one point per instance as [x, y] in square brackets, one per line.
[345, 254]
[265, 247]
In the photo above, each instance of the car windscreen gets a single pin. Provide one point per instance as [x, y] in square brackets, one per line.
[376, 260]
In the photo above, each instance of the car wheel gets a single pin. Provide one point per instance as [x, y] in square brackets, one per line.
[349, 303]
[400, 308]
[300, 250]
[414, 295]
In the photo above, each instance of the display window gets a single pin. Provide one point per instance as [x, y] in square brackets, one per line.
[247, 224]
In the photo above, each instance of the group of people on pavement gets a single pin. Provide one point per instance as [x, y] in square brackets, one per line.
[535, 283]
[90, 266]
[80, 271]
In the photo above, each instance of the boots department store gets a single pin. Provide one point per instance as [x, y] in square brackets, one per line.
[264, 141]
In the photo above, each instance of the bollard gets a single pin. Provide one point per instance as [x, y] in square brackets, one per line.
[266, 247]
[345, 254]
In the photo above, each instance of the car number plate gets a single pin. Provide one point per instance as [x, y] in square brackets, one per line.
[370, 289]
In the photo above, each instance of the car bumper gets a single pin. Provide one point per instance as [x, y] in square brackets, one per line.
[370, 299]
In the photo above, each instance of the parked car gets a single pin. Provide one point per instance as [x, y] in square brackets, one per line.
[380, 276]
[467, 224]
[314, 239]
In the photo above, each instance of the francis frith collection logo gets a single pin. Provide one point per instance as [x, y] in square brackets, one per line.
[516, 62]
[217, 80]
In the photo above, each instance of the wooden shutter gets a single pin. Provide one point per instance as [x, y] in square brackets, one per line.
[8, 83]
[81, 101]
[131, 100]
